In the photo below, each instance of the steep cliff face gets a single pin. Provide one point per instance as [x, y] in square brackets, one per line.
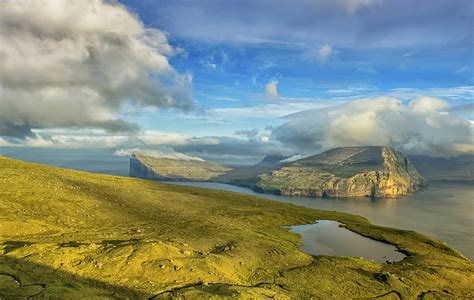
[345, 172]
[166, 169]
[341, 172]
[140, 170]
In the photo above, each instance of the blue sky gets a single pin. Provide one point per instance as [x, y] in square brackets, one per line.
[234, 48]
[238, 79]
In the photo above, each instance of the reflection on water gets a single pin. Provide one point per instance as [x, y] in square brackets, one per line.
[442, 210]
[327, 238]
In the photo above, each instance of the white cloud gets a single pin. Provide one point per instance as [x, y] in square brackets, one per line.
[153, 137]
[271, 89]
[324, 53]
[464, 70]
[75, 64]
[321, 54]
[351, 6]
[420, 127]
[292, 158]
[162, 152]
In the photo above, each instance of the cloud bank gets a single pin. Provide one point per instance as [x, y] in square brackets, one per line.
[75, 64]
[163, 152]
[423, 126]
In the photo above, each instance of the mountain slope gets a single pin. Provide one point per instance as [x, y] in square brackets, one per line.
[345, 172]
[341, 172]
[68, 234]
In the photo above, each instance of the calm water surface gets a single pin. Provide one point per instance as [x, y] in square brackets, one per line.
[443, 210]
[328, 238]
[91, 160]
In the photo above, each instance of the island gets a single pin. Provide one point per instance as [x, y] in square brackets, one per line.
[370, 171]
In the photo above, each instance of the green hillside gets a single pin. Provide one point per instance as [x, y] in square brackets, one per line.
[67, 234]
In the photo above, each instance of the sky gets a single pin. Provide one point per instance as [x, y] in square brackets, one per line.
[237, 80]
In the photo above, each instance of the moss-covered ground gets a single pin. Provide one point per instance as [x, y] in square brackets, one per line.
[67, 234]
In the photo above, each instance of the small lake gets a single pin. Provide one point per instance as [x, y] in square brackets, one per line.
[442, 210]
[329, 238]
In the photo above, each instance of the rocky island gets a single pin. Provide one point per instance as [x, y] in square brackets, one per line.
[341, 172]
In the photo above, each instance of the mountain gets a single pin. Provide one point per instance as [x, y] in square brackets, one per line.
[272, 159]
[345, 172]
[68, 234]
[341, 172]
[454, 169]
[147, 167]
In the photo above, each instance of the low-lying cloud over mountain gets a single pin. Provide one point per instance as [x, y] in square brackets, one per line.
[75, 64]
[163, 152]
[423, 126]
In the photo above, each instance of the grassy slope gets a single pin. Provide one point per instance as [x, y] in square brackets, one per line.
[72, 234]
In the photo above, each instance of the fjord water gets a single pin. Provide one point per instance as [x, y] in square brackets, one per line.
[442, 210]
[329, 238]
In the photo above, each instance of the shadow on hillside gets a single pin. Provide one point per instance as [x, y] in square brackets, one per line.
[20, 279]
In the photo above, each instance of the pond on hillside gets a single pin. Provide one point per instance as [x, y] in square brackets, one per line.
[330, 238]
[443, 210]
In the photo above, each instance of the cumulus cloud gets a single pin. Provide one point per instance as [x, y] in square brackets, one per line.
[218, 148]
[249, 134]
[75, 64]
[271, 89]
[324, 53]
[321, 54]
[235, 149]
[423, 126]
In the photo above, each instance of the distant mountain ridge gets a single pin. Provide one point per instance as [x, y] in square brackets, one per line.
[454, 169]
[342, 172]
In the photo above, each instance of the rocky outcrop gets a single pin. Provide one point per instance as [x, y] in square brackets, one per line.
[360, 172]
[140, 170]
[341, 172]
[167, 169]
